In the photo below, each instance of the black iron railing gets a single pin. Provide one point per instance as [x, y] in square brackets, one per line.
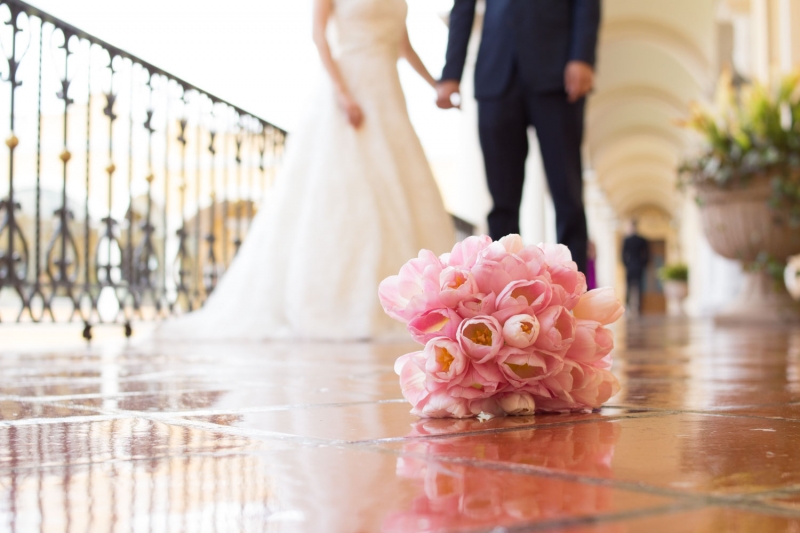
[128, 190]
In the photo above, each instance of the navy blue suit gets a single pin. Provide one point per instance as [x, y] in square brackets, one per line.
[519, 82]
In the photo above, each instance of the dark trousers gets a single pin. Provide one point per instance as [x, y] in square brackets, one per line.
[503, 126]
[635, 291]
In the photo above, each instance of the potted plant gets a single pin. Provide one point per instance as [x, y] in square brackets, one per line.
[676, 286]
[747, 183]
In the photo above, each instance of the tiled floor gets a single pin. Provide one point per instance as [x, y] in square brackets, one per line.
[704, 436]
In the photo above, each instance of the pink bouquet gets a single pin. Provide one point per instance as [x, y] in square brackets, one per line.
[508, 329]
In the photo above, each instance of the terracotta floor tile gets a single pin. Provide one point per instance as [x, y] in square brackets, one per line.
[707, 520]
[19, 410]
[788, 500]
[313, 437]
[309, 489]
[390, 420]
[98, 441]
[787, 411]
[703, 395]
[682, 453]
[250, 397]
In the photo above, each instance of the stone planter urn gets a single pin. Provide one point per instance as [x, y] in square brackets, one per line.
[675, 292]
[739, 224]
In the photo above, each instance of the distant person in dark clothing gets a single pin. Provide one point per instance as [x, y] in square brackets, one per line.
[635, 256]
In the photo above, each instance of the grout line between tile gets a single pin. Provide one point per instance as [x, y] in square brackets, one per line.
[598, 519]
[632, 486]
[533, 425]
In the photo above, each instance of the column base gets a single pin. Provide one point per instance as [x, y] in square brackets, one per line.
[761, 302]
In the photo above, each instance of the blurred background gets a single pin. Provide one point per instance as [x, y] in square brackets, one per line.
[655, 59]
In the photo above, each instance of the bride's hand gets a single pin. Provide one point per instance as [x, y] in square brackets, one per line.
[355, 116]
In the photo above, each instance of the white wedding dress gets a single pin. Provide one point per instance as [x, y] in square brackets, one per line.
[349, 207]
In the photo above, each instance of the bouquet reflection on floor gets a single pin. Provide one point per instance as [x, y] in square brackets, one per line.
[465, 482]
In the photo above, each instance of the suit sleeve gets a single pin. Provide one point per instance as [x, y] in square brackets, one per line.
[461, 19]
[585, 27]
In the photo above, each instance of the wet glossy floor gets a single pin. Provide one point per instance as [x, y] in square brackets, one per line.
[704, 436]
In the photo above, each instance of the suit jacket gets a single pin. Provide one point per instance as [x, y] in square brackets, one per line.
[537, 38]
[635, 254]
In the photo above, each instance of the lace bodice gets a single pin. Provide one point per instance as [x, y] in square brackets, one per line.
[369, 25]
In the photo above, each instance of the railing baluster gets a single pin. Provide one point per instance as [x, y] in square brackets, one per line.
[129, 270]
[10, 274]
[210, 275]
[198, 281]
[87, 285]
[37, 287]
[165, 211]
[182, 259]
[75, 266]
[225, 191]
[239, 141]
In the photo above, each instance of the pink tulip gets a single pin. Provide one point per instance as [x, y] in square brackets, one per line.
[434, 323]
[533, 257]
[487, 406]
[456, 286]
[517, 403]
[410, 368]
[477, 304]
[520, 331]
[597, 387]
[592, 343]
[480, 338]
[466, 252]
[568, 284]
[556, 254]
[600, 305]
[440, 404]
[415, 290]
[556, 330]
[523, 368]
[512, 243]
[493, 276]
[479, 381]
[578, 386]
[523, 296]
[496, 268]
[445, 363]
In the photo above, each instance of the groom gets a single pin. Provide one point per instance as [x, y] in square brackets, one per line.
[535, 67]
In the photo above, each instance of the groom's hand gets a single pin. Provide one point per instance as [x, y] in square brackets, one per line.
[578, 80]
[445, 90]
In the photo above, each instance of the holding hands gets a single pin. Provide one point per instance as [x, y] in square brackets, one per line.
[578, 82]
[445, 90]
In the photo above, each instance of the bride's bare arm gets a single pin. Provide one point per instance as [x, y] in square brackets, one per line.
[322, 14]
[416, 63]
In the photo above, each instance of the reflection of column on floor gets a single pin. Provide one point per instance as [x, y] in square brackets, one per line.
[328, 479]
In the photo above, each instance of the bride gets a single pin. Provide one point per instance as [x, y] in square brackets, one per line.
[355, 199]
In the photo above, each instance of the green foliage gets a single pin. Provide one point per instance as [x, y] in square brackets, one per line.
[754, 131]
[674, 272]
[770, 266]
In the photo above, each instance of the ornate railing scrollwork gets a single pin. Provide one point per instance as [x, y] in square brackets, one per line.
[149, 179]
